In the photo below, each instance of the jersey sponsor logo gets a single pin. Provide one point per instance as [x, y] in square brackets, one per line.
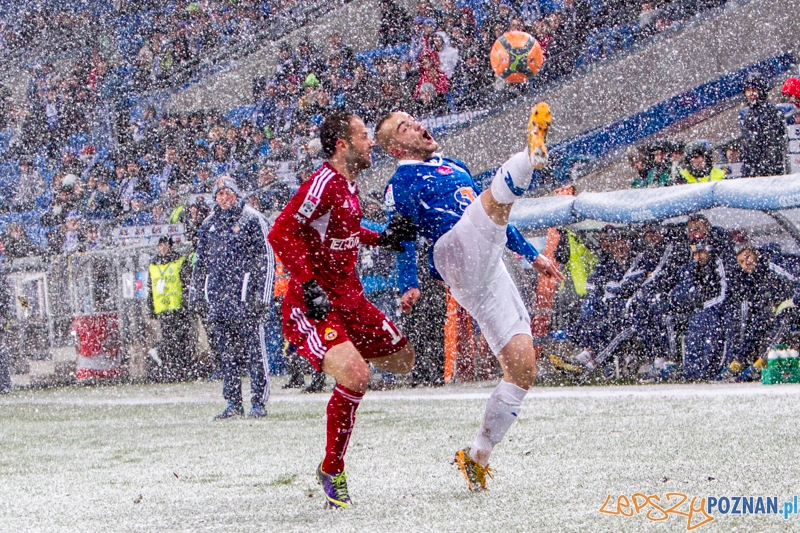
[388, 196]
[464, 196]
[444, 170]
[346, 244]
[330, 334]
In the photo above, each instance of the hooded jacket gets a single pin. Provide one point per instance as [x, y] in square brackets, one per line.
[763, 139]
[235, 268]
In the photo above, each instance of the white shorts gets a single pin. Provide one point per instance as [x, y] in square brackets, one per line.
[470, 259]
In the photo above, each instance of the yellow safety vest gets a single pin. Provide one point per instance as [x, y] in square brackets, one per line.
[715, 175]
[581, 263]
[165, 282]
[175, 216]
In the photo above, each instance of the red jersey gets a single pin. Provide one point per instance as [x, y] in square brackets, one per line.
[317, 236]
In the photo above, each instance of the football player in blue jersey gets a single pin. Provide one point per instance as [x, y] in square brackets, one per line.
[438, 196]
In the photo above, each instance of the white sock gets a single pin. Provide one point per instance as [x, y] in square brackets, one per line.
[501, 410]
[512, 179]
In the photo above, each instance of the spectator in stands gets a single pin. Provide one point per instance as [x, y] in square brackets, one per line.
[132, 183]
[395, 24]
[93, 240]
[576, 17]
[431, 73]
[101, 203]
[222, 161]
[336, 46]
[309, 59]
[660, 175]
[448, 55]
[17, 244]
[675, 151]
[68, 237]
[288, 65]
[63, 201]
[791, 91]
[541, 30]
[697, 165]
[639, 160]
[29, 187]
[138, 215]
[428, 103]
[470, 80]
[561, 51]
[763, 131]
[467, 22]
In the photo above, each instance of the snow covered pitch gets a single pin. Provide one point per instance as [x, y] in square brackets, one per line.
[150, 459]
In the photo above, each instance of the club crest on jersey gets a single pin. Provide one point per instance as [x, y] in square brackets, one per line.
[464, 196]
[330, 334]
[444, 170]
[309, 204]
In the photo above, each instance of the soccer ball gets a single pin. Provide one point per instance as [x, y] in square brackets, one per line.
[516, 57]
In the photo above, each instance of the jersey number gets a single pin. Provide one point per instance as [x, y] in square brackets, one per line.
[389, 327]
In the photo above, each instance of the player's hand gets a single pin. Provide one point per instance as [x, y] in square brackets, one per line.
[547, 268]
[408, 300]
[317, 303]
[400, 229]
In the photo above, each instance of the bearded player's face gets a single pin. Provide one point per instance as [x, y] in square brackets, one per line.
[359, 151]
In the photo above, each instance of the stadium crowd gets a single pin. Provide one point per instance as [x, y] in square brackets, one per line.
[162, 167]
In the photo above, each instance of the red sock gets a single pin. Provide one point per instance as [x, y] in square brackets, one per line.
[341, 418]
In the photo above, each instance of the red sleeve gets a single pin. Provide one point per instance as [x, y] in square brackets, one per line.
[291, 237]
[369, 237]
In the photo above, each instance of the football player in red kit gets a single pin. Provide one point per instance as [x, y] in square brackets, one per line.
[325, 313]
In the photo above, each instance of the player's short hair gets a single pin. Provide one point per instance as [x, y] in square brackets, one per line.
[382, 139]
[335, 126]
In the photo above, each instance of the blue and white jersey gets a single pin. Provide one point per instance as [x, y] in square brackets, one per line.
[434, 194]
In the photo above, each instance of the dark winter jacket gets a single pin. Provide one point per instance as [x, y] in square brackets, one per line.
[766, 287]
[663, 264]
[235, 267]
[701, 287]
[763, 140]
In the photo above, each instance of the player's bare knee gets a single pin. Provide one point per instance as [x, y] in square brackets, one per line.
[406, 360]
[359, 378]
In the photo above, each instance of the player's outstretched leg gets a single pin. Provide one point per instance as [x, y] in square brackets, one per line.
[518, 361]
[513, 178]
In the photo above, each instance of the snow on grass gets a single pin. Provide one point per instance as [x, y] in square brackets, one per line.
[149, 458]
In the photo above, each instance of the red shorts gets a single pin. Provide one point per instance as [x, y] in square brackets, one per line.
[366, 327]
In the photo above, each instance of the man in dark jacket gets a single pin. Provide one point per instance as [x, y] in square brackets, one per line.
[6, 310]
[763, 138]
[757, 287]
[702, 293]
[234, 272]
[170, 274]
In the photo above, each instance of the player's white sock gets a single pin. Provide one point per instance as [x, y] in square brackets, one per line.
[512, 179]
[501, 411]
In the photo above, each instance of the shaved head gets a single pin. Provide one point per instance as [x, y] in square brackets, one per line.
[403, 137]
